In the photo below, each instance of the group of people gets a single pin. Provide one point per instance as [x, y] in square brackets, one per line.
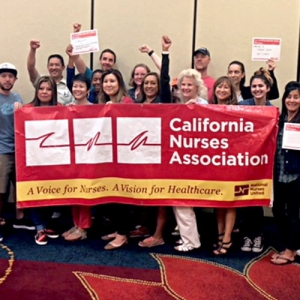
[191, 87]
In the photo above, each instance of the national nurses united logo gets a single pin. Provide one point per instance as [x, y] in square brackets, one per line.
[47, 143]
[241, 190]
[139, 140]
[93, 140]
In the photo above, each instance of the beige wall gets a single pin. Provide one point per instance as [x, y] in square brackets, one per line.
[144, 22]
[225, 27]
[48, 21]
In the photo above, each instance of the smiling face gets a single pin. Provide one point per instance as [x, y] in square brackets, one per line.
[80, 90]
[110, 85]
[235, 73]
[259, 89]
[223, 92]
[7, 81]
[96, 81]
[55, 68]
[138, 75]
[45, 93]
[107, 61]
[189, 88]
[150, 86]
[292, 102]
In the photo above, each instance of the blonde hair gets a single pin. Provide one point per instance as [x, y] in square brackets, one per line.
[191, 73]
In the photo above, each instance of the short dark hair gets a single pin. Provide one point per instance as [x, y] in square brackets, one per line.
[57, 56]
[109, 51]
[84, 79]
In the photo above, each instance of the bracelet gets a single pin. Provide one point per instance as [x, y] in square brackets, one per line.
[151, 52]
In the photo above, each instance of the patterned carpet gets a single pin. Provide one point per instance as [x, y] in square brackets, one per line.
[83, 270]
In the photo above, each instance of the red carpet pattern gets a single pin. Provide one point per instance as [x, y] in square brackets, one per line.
[196, 279]
[178, 277]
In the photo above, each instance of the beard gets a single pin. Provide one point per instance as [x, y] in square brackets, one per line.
[7, 89]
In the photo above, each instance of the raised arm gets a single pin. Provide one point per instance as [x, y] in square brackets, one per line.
[156, 59]
[79, 63]
[31, 61]
[165, 89]
[70, 67]
[274, 91]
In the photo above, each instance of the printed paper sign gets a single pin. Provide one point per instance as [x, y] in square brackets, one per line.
[158, 154]
[291, 136]
[85, 41]
[264, 49]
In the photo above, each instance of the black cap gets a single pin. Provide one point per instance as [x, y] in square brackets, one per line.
[202, 50]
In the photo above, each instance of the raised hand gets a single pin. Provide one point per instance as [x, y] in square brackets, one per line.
[271, 65]
[34, 44]
[145, 48]
[76, 27]
[69, 50]
[166, 42]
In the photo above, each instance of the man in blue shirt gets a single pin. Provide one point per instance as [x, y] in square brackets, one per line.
[8, 77]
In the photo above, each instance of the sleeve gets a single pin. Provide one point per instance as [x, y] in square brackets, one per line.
[18, 98]
[246, 92]
[89, 73]
[70, 77]
[165, 90]
[274, 92]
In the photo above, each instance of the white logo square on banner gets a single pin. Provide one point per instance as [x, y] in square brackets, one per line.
[93, 140]
[139, 140]
[47, 143]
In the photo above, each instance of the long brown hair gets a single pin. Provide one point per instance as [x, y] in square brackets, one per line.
[233, 98]
[36, 101]
[103, 97]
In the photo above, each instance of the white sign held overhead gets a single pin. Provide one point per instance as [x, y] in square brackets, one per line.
[85, 42]
[264, 49]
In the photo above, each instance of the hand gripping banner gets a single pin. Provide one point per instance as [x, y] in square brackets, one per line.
[164, 154]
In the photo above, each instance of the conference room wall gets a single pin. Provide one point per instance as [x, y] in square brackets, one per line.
[48, 21]
[125, 27]
[226, 28]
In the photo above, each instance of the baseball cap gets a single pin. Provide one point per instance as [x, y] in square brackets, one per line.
[8, 67]
[202, 50]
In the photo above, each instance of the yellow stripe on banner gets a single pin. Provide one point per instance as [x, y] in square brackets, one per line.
[144, 189]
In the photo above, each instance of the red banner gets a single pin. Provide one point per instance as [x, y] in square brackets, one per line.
[196, 155]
